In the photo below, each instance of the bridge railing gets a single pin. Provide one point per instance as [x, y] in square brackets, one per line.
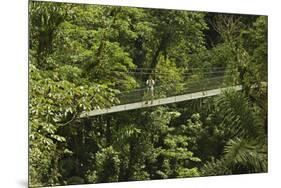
[162, 91]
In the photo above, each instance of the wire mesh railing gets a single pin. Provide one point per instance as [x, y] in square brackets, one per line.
[172, 89]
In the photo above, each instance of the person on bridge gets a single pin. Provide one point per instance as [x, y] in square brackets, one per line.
[150, 89]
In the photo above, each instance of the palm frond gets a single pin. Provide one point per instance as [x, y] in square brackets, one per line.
[249, 154]
[215, 167]
[238, 114]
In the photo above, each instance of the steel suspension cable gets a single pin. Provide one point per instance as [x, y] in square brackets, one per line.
[166, 85]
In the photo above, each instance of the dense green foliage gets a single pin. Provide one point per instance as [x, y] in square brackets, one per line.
[80, 56]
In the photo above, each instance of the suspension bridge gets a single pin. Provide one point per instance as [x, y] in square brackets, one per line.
[213, 84]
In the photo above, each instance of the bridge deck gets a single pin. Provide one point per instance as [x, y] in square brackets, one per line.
[161, 101]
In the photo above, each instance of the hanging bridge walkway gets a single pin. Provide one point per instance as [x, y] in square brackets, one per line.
[160, 101]
[167, 94]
